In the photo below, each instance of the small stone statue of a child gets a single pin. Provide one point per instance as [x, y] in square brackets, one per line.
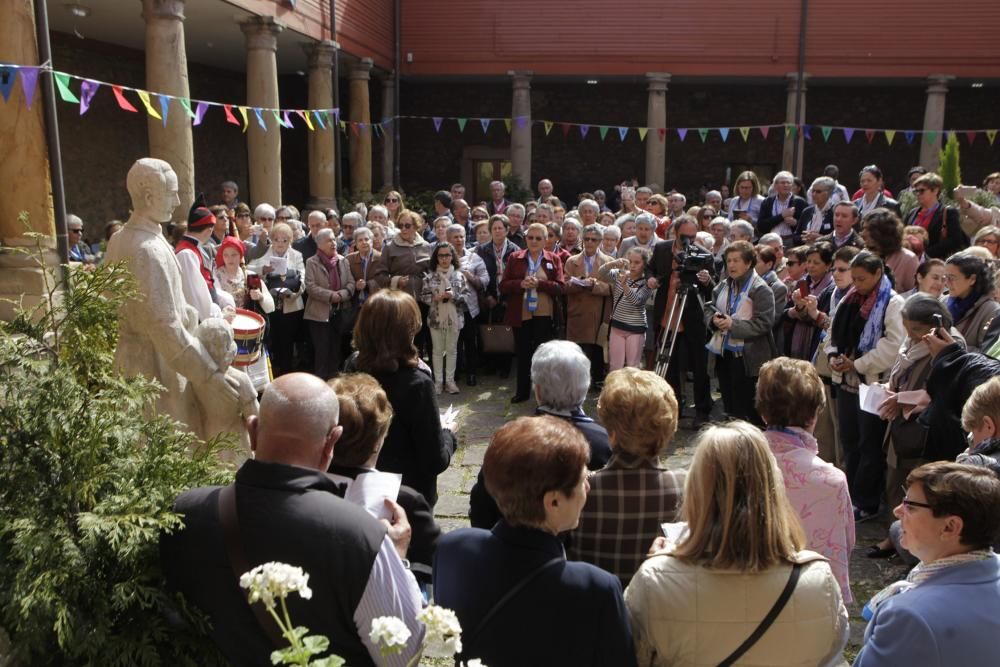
[216, 335]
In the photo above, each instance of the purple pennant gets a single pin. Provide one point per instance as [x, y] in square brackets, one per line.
[88, 89]
[199, 113]
[682, 132]
[164, 107]
[437, 123]
[29, 81]
[805, 132]
[584, 129]
[288, 121]
[848, 134]
[7, 77]
[522, 121]
[910, 136]
[336, 114]
[363, 127]
[485, 123]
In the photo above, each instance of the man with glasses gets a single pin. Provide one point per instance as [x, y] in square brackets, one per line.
[817, 218]
[78, 250]
[587, 306]
[781, 211]
[350, 222]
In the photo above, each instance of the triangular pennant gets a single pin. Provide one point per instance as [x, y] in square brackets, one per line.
[230, 118]
[889, 136]
[186, 105]
[277, 118]
[62, 83]
[703, 133]
[807, 132]
[461, 123]
[991, 135]
[485, 124]
[507, 124]
[245, 117]
[848, 134]
[565, 128]
[789, 129]
[622, 131]
[522, 121]
[29, 81]
[764, 130]
[144, 98]
[88, 89]
[260, 118]
[661, 133]
[584, 129]
[305, 117]
[603, 129]
[164, 107]
[355, 129]
[548, 127]
[437, 123]
[8, 75]
[929, 137]
[724, 132]
[642, 133]
[343, 126]
[319, 119]
[826, 132]
[288, 121]
[971, 136]
[745, 131]
[199, 114]
[122, 102]
[869, 135]
[909, 135]
[363, 127]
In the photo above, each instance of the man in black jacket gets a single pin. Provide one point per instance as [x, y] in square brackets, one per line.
[671, 285]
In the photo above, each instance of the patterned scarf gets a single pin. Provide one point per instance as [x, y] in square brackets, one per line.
[330, 262]
[921, 573]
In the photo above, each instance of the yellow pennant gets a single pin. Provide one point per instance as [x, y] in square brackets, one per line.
[548, 127]
[642, 133]
[890, 135]
[507, 122]
[745, 131]
[144, 96]
[246, 119]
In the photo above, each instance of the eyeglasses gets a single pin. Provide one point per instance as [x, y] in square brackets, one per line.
[479, 217]
[76, 231]
[707, 216]
[266, 218]
[405, 225]
[391, 200]
[283, 218]
[912, 504]
[535, 238]
[444, 254]
[591, 240]
[988, 242]
[242, 215]
[919, 191]
[949, 277]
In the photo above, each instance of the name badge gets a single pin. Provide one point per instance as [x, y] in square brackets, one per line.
[548, 266]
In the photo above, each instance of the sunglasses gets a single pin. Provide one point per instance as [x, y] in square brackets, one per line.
[263, 218]
[406, 225]
[391, 200]
[535, 238]
[590, 240]
[282, 218]
[910, 504]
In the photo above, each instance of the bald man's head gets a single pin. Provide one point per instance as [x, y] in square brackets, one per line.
[297, 423]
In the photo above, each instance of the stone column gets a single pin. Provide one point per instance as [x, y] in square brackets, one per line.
[167, 72]
[322, 145]
[25, 172]
[656, 117]
[520, 133]
[790, 160]
[937, 91]
[388, 111]
[263, 148]
[360, 112]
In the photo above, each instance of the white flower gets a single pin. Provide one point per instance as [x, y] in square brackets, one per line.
[389, 633]
[275, 580]
[444, 633]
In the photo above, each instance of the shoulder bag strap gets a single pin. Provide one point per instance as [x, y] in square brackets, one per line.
[502, 602]
[782, 600]
[238, 561]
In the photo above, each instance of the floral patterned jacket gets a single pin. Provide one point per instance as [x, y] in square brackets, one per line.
[446, 314]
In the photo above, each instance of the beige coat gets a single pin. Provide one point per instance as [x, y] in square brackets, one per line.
[321, 304]
[690, 616]
[400, 259]
[584, 306]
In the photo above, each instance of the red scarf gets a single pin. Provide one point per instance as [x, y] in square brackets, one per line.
[331, 268]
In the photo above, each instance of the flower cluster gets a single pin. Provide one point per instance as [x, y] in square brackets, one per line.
[444, 633]
[272, 581]
[390, 634]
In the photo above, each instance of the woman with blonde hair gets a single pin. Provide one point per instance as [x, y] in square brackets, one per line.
[745, 205]
[735, 583]
[394, 204]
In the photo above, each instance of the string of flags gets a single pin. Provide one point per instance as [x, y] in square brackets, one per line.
[159, 106]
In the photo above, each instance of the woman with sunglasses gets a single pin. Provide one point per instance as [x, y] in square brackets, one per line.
[947, 610]
[943, 223]
[403, 263]
[394, 205]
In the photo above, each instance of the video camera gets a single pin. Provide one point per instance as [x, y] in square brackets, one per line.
[691, 260]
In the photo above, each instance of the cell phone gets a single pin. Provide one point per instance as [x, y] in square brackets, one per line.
[803, 289]
[939, 320]
[253, 281]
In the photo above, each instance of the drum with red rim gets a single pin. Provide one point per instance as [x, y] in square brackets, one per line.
[248, 332]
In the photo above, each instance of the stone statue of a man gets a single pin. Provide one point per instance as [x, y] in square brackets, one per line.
[155, 330]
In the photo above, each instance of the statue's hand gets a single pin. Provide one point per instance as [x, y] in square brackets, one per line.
[225, 387]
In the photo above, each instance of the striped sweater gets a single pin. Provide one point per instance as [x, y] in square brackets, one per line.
[628, 312]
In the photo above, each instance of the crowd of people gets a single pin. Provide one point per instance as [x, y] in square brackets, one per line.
[855, 355]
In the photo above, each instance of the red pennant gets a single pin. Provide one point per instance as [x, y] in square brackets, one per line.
[565, 129]
[230, 118]
[661, 132]
[971, 136]
[354, 128]
[869, 134]
[122, 102]
[764, 129]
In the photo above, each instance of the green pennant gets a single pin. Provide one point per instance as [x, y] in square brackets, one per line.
[826, 132]
[603, 129]
[461, 124]
[929, 137]
[703, 133]
[186, 103]
[791, 131]
[62, 83]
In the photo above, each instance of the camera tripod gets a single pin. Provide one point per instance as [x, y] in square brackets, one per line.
[669, 337]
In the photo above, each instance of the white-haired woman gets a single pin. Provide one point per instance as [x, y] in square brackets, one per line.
[330, 286]
[283, 269]
[719, 228]
[612, 237]
[560, 378]
[477, 277]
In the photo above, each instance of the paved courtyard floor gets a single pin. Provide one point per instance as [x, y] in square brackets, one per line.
[487, 407]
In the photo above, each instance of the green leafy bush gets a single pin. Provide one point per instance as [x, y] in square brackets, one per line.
[87, 483]
[949, 169]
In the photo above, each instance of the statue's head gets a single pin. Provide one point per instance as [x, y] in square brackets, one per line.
[152, 185]
[216, 335]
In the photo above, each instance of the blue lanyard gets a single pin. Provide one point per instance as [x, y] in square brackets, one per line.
[788, 431]
[588, 263]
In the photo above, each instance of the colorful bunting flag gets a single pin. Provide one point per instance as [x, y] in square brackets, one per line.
[485, 124]
[622, 131]
[319, 119]
[603, 129]
[889, 136]
[461, 124]
[62, 83]
[8, 75]
[971, 136]
[437, 123]
[661, 132]
[288, 121]
[507, 124]
[682, 132]
[869, 135]
[355, 128]
[584, 129]
[522, 121]
[277, 118]
[565, 129]
[642, 133]
[826, 132]
[246, 119]
[848, 134]
[122, 102]
[343, 126]
[909, 136]
[764, 130]
[164, 107]
[88, 89]
[186, 105]
[724, 131]
[789, 130]
[991, 135]
[745, 132]
[199, 114]
[260, 118]
[144, 98]
[548, 127]
[703, 133]
[29, 81]
[230, 118]
[929, 137]
[807, 132]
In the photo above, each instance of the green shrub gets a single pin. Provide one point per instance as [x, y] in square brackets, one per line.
[949, 169]
[87, 484]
